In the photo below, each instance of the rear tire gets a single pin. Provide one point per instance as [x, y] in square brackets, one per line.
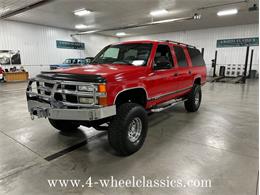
[194, 99]
[128, 129]
[64, 125]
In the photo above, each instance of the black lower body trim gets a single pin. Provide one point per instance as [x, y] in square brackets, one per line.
[171, 93]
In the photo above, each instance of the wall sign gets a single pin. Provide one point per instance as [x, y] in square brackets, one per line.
[243, 42]
[70, 45]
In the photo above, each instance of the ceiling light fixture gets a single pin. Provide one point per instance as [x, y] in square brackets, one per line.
[120, 34]
[196, 16]
[81, 26]
[227, 12]
[158, 12]
[81, 12]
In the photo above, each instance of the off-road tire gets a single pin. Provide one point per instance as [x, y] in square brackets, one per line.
[119, 128]
[64, 125]
[193, 104]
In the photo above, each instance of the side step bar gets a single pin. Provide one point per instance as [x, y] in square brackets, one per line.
[166, 105]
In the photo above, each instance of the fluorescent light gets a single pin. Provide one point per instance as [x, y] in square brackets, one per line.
[227, 12]
[81, 26]
[196, 16]
[81, 12]
[120, 34]
[159, 12]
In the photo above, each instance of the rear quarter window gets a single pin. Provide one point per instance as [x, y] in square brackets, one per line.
[196, 57]
[180, 55]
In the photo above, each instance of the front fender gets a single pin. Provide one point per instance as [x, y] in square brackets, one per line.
[114, 91]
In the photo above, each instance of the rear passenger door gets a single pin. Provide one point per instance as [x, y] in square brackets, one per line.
[184, 69]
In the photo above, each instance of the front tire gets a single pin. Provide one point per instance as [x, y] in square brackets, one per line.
[64, 125]
[194, 99]
[128, 129]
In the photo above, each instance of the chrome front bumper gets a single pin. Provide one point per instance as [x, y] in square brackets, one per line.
[46, 106]
[44, 110]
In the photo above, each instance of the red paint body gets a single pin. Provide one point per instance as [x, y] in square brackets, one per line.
[156, 82]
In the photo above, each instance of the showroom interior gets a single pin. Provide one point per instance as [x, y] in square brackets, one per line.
[217, 147]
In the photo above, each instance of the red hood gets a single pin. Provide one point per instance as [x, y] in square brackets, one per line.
[109, 72]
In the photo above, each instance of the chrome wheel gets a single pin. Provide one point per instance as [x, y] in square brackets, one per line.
[197, 98]
[134, 129]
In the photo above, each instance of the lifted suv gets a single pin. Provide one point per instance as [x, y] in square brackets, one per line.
[124, 82]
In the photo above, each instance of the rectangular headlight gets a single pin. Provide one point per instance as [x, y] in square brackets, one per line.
[85, 88]
[40, 83]
[85, 100]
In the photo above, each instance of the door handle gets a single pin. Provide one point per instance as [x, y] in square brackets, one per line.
[189, 72]
[176, 74]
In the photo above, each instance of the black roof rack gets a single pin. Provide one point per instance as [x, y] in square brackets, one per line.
[179, 43]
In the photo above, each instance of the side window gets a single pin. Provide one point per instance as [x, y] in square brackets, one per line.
[180, 55]
[196, 57]
[111, 53]
[163, 58]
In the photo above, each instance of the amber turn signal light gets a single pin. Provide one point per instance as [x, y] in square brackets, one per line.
[102, 101]
[102, 88]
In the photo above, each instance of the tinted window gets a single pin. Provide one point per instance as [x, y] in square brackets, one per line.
[68, 61]
[81, 61]
[163, 53]
[196, 57]
[181, 58]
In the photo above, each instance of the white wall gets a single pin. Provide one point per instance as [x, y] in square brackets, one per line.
[207, 38]
[37, 44]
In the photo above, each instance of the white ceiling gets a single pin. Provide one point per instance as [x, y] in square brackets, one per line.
[12, 5]
[117, 13]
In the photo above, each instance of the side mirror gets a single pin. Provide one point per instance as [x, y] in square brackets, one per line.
[162, 63]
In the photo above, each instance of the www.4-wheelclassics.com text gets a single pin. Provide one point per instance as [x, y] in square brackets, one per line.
[132, 182]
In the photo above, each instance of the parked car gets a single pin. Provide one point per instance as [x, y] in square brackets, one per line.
[89, 60]
[72, 62]
[124, 82]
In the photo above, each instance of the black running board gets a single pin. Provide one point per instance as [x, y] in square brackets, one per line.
[166, 105]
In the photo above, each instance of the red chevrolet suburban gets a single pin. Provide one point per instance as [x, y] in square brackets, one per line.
[115, 92]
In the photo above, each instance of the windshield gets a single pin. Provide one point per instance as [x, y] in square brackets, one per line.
[130, 54]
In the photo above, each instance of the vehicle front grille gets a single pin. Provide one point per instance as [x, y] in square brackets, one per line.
[66, 92]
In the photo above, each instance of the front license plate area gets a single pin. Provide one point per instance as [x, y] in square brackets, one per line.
[40, 112]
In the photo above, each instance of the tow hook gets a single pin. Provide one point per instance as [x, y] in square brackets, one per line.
[39, 112]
